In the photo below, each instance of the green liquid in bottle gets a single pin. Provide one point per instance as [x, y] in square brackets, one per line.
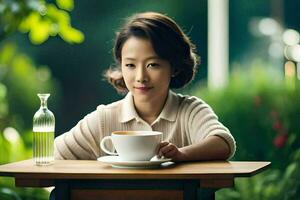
[43, 147]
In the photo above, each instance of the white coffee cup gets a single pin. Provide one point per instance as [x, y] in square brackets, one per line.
[133, 145]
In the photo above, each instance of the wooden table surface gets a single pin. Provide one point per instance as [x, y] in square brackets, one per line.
[172, 181]
[90, 169]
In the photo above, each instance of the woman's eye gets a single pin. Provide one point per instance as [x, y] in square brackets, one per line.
[153, 65]
[129, 65]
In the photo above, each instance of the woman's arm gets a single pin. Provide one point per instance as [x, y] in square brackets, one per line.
[81, 142]
[211, 148]
[208, 138]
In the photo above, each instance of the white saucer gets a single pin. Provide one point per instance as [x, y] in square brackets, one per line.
[116, 162]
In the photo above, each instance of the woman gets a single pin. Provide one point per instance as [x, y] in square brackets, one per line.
[153, 56]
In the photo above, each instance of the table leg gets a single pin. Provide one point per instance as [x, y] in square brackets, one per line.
[190, 188]
[62, 190]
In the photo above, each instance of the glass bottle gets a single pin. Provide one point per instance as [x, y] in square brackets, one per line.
[43, 133]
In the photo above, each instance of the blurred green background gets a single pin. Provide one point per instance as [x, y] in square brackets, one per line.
[63, 46]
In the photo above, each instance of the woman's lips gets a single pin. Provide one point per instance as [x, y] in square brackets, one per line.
[143, 89]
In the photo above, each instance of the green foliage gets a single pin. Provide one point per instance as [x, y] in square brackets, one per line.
[20, 81]
[3, 103]
[7, 193]
[272, 184]
[14, 148]
[40, 19]
[65, 4]
[258, 106]
[262, 111]
[11, 193]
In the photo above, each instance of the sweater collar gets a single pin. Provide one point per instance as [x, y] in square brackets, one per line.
[169, 111]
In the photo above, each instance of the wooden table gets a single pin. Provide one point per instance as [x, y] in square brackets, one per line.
[91, 180]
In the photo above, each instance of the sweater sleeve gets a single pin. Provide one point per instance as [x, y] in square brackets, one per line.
[81, 142]
[203, 122]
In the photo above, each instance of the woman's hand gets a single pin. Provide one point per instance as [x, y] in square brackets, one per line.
[170, 150]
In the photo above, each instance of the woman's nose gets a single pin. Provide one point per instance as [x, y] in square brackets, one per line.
[141, 75]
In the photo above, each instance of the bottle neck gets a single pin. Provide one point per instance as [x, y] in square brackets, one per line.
[43, 102]
[43, 99]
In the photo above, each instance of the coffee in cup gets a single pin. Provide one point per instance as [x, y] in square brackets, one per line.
[133, 145]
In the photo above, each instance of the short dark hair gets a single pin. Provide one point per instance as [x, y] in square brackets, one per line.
[169, 43]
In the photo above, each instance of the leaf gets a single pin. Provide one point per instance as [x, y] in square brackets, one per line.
[71, 35]
[3, 91]
[292, 138]
[7, 193]
[296, 156]
[290, 170]
[7, 53]
[2, 8]
[29, 22]
[57, 16]
[65, 4]
[40, 32]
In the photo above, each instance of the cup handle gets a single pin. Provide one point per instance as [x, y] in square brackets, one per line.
[102, 145]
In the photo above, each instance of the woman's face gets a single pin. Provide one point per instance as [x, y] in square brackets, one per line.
[146, 75]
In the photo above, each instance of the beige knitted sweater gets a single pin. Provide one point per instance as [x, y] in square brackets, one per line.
[184, 120]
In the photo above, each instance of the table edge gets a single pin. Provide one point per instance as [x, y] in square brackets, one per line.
[49, 175]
